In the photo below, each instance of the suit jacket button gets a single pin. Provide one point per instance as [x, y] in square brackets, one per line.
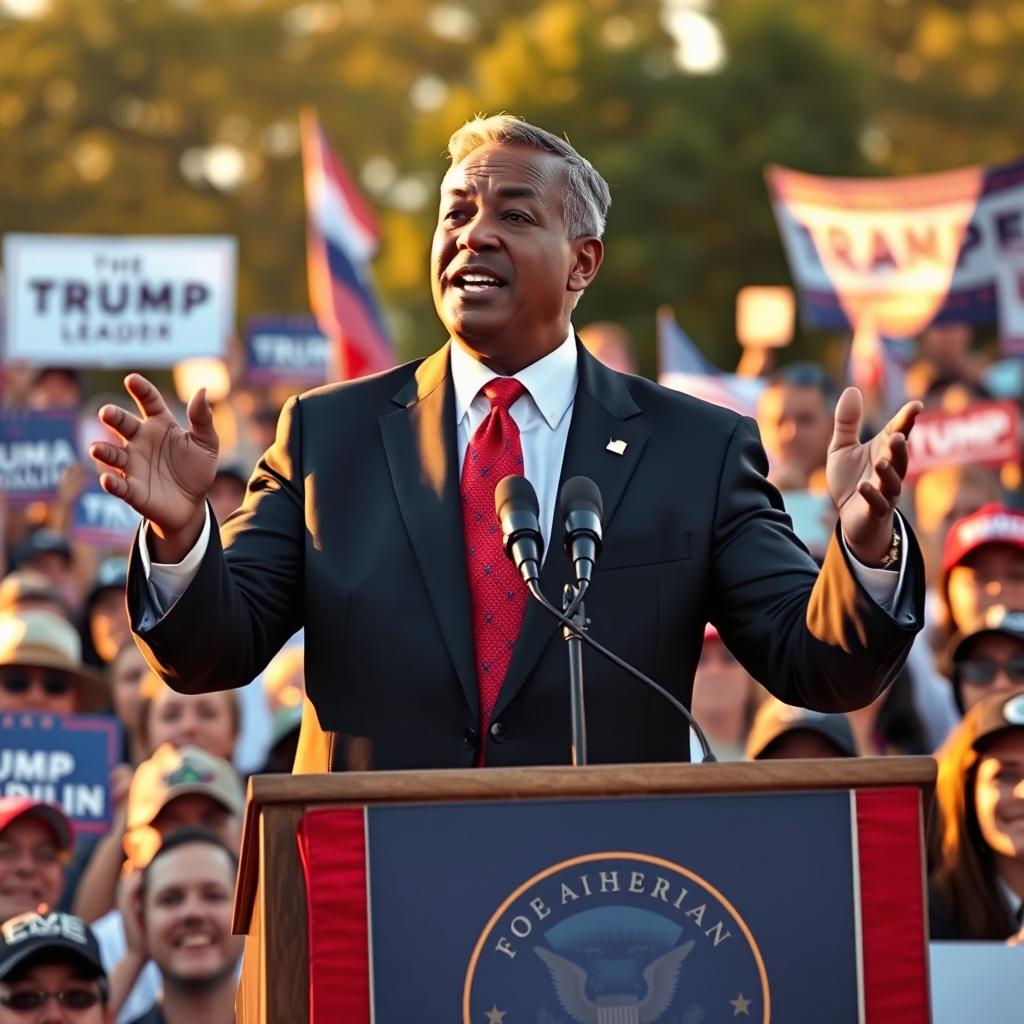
[498, 733]
[471, 738]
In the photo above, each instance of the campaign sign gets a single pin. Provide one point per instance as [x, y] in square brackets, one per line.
[986, 434]
[286, 350]
[645, 910]
[62, 760]
[35, 449]
[118, 301]
[103, 520]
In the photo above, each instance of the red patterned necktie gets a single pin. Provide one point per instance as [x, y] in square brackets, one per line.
[497, 595]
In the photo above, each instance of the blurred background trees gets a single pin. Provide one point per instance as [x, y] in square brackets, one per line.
[164, 116]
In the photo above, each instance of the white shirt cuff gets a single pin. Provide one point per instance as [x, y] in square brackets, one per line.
[168, 582]
[883, 585]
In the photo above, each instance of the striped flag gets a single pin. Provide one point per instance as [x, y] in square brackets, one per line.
[341, 237]
[683, 367]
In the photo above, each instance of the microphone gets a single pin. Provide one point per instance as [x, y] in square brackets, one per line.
[582, 509]
[515, 503]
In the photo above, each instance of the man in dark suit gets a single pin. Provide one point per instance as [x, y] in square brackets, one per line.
[367, 522]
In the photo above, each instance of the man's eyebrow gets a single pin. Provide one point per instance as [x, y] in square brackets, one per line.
[503, 191]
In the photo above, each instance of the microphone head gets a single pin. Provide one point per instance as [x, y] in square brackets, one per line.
[517, 492]
[580, 493]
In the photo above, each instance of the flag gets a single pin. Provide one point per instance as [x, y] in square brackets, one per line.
[683, 367]
[341, 237]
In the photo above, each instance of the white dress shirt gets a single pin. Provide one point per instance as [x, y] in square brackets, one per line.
[543, 416]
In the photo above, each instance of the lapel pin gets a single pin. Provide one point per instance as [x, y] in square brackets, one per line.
[616, 446]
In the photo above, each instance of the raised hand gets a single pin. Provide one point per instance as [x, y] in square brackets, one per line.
[866, 480]
[161, 470]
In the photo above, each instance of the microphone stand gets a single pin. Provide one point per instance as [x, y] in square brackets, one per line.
[572, 609]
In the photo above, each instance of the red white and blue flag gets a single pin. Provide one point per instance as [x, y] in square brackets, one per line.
[341, 237]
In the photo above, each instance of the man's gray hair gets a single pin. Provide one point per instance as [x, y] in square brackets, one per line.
[586, 199]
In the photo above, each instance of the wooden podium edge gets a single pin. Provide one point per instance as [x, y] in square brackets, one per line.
[556, 782]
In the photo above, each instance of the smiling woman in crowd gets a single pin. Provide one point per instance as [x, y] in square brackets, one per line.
[977, 881]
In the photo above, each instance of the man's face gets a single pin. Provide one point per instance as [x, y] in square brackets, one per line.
[108, 623]
[989, 576]
[990, 664]
[197, 809]
[31, 867]
[54, 978]
[44, 690]
[126, 675]
[503, 272]
[187, 913]
[796, 426]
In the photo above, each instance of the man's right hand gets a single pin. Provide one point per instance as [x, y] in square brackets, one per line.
[161, 470]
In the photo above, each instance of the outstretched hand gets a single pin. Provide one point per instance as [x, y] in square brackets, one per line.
[865, 480]
[160, 469]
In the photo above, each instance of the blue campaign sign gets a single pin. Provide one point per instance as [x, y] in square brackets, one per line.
[659, 909]
[62, 760]
[286, 350]
[35, 449]
[99, 518]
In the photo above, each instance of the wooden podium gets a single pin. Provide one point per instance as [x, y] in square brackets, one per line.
[271, 898]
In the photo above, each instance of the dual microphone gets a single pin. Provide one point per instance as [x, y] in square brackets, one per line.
[515, 502]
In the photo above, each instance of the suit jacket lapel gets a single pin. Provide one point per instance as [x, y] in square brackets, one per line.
[422, 453]
[603, 411]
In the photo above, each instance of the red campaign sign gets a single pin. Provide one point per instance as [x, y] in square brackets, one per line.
[986, 434]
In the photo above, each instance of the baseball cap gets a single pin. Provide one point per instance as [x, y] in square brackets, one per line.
[172, 772]
[997, 714]
[41, 542]
[776, 719]
[991, 524]
[25, 586]
[14, 807]
[111, 574]
[997, 621]
[232, 470]
[35, 936]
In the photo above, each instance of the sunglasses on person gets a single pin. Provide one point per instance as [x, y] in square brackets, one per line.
[983, 671]
[54, 684]
[27, 1000]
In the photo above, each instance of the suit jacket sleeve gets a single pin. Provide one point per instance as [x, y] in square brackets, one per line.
[245, 600]
[815, 639]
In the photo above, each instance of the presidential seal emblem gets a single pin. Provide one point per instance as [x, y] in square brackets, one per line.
[616, 938]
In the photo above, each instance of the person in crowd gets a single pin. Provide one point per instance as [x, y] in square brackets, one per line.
[29, 591]
[227, 490]
[49, 552]
[977, 878]
[184, 910]
[989, 659]
[982, 567]
[106, 626]
[56, 387]
[284, 739]
[890, 724]
[794, 414]
[35, 842]
[210, 721]
[783, 732]
[611, 344]
[50, 972]
[725, 698]
[41, 667]
[947, 348]
[127, 672]
[173, 789]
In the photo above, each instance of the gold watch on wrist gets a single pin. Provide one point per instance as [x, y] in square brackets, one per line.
[890, 560]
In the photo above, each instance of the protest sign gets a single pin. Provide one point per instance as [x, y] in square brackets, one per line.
[35, 449]
[1010, 292]
[985, 434]
[286, 350]
[62, 760]
[117, 301]
[103, 520]
[913, 248]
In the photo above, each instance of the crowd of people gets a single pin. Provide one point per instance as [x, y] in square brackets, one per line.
[134, 925]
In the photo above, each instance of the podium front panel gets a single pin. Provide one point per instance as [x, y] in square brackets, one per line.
[800, 906]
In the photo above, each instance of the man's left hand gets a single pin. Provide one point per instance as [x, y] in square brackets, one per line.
[865, 480]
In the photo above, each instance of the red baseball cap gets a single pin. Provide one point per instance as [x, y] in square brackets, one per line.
[13, 807]
[991, 524]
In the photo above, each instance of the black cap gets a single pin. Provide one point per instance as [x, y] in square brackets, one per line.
[776, 720]
[998, 621]
[232, 470]
[40, 542]
[38, 937]
[996, 715]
